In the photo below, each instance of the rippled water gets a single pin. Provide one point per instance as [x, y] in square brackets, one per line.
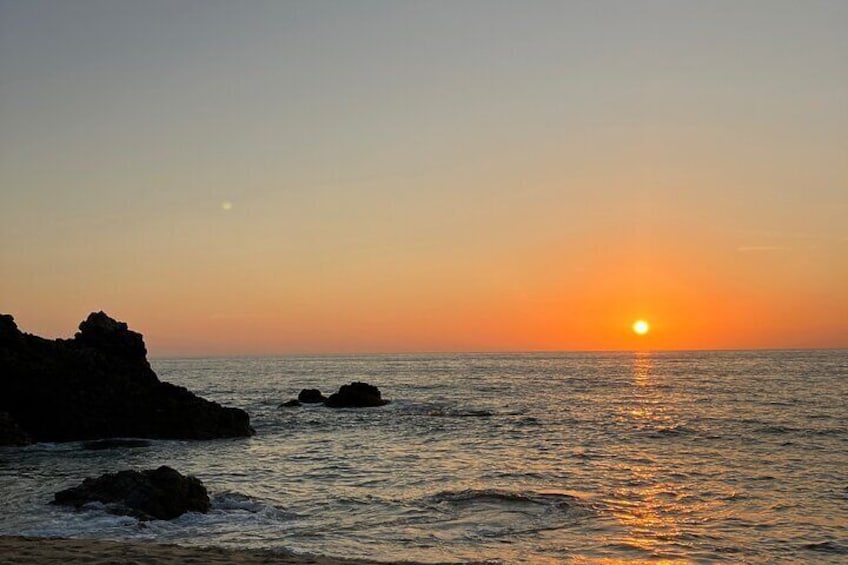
[539, 458]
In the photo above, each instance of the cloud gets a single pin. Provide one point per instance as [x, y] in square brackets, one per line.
[761, 248]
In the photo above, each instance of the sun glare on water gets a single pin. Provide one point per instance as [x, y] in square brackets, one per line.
[641, 327]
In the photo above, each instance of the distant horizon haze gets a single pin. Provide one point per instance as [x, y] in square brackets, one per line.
[186, 348]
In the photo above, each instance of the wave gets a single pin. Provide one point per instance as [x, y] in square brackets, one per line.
[523, 475]
[222, 503]
[453, 413]
[529, 421]
[827, 547]
[826, 432]
[775, 429]
[671, 430]
[231, 501]
[557, 500]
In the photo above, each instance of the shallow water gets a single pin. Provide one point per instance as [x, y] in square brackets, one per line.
[526, 458]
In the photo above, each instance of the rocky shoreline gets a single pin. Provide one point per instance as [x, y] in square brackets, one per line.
[97, 385]
[98, 388]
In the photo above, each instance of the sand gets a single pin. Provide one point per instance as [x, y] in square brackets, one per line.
[21, 550]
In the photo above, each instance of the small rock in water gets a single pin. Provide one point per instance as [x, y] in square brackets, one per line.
[356, 395]
[160, 494]
[294, 402]
[311, 396]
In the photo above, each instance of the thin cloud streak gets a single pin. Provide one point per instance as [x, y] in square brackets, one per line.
[761, 248]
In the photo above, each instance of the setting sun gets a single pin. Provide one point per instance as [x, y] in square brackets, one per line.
[641, 327]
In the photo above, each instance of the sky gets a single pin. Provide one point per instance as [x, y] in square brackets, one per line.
[246, 178]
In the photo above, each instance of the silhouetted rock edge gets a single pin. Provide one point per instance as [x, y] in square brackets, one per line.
[159, 494]
[98, 385]
[354, 395]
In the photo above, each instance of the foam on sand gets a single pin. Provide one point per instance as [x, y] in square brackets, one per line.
[25, 551]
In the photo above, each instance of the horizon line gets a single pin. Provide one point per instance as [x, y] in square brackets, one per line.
[495, 352]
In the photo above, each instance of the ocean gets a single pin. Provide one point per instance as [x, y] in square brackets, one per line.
[689, 457]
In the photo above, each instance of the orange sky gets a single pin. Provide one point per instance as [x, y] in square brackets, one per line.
[375, 178]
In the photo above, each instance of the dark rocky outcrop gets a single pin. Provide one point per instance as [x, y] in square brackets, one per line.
[160, 494]
[100, 385]
[311, 396]
[356, 395]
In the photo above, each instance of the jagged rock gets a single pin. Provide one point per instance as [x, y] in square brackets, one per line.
[101, 332]
[160, 494]
[11, 433]
[100, 385]
[8, 327]
[293, 403]
[112, 443]
[311, 396]
[356, 395]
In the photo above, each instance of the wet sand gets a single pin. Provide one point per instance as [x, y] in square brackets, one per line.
[21, 550]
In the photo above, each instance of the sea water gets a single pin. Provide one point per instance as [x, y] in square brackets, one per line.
[706, 457]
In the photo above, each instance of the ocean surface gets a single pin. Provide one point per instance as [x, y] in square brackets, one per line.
[702, 457]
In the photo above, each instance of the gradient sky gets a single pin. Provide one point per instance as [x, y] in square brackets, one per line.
[283, 177]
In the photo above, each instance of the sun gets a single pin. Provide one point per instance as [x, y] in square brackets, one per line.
[641, 327]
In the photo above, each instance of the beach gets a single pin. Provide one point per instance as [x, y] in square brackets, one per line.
[22, 550]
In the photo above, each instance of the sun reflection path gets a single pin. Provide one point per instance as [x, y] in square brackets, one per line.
[642, 366]
[649, 509]
[610, 561]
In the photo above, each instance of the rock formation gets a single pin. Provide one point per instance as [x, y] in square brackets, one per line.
[100, 385]
[161, 494]
[10, 432]
[311, 396]
[356, 395]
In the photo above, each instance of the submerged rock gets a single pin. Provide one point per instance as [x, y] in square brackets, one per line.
[293, 403]
[311, 396]
[356, 395]
[112, 443]
[100, 385]
[160, 494]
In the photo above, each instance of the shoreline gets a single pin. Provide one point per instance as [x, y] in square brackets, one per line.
[19, 550]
